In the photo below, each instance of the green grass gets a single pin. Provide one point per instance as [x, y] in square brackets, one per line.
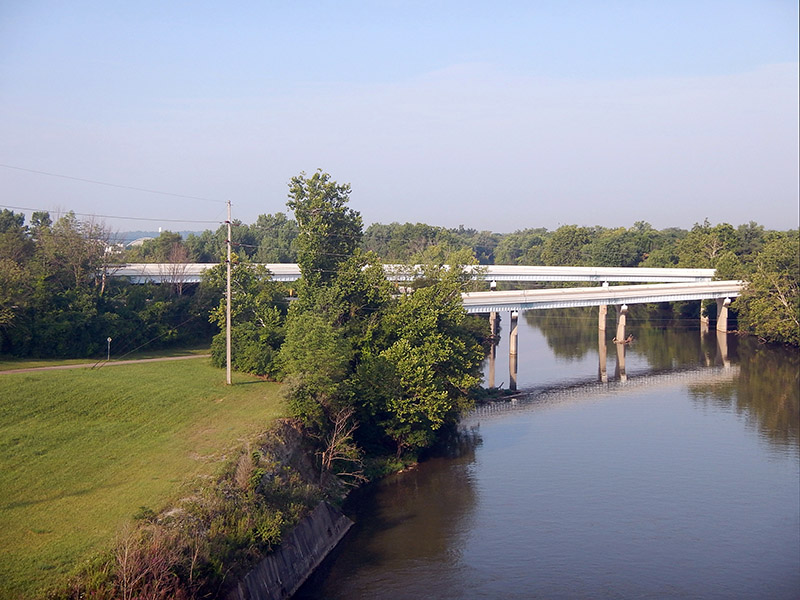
[81, 450]
[8, 363]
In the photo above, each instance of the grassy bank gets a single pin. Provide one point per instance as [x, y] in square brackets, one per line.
[8, 363]
[82, 450]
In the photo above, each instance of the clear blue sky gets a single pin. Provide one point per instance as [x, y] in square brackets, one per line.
[497, 116]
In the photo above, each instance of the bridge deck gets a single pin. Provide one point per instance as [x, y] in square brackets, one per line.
[192, 273]
[521, 300]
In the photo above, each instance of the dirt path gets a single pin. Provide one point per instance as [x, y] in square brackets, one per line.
[103, 363]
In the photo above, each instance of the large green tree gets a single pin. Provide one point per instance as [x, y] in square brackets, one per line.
[329, 231]
[257, 317]
[398, 369]
[431, 364]
[564, 247]
[770, 306]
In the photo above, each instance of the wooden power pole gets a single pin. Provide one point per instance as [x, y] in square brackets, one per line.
[228, 306]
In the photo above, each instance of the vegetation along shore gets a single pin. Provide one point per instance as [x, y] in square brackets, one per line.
[156, 480]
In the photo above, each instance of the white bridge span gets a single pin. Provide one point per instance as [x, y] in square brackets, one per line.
[192, 273]
[653, 285]
[521, 300]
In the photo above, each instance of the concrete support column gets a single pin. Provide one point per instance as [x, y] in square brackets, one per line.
[703, 320]
[722, 314]
[512, 351]
[602, 373]
[512, 334]
[603, 311]
[722, 350]
[512, 372]
[493, 320]
[492, 360]
[622, 314]
[620, 369]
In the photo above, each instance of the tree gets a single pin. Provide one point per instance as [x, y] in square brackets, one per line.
[359, 362]
[614, 248]
[770, 306]
[72, 252]
[704, 244]
[522, 247]
[257, 318]
[276, 236]
[329, 230]
[316, 356]
[565, 246]
[432, 362]
[175, 269]
[156, 250]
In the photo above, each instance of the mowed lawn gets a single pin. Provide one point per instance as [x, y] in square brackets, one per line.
[82, 450]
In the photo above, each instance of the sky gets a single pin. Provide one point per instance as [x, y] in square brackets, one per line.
[496, 116]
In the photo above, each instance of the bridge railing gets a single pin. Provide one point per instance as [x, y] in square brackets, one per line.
[192, 273]
[521, 300]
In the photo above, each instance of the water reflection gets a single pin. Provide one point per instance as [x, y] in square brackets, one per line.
[589, 485]
[413, 521]
[767, 390]
[602, 354]
[619, 370]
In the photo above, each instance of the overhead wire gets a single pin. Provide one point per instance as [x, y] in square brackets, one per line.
[118, 186]
[112, 216]
[114, 185]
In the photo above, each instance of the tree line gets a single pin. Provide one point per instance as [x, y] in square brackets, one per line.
[56, 298]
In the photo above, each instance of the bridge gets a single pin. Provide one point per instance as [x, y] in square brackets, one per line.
[592, 388]
[193, 272]
[521, 300]
[673, 285]
[517, 301]
[652, 285]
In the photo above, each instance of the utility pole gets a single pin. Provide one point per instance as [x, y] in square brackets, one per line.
[228, 306]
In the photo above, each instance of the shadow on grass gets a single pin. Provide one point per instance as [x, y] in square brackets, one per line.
[81, 492]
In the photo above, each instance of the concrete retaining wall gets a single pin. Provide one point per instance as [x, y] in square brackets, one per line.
[281, 573]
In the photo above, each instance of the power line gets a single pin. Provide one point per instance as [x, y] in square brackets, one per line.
[115, 185]
[112, 216]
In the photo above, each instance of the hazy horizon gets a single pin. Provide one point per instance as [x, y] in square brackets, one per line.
[498, 117]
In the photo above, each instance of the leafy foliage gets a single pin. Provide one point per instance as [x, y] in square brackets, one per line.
[384, 369]
[257, 318]
[329, 232]
[770, 306]
[56, 299]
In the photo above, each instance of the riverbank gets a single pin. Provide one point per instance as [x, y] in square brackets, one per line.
[204, 544]
[84, 450]
[593, 488]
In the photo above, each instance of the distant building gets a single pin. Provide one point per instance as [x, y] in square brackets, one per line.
[139, 241]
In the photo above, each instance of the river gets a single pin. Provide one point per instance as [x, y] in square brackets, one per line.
[674, 474]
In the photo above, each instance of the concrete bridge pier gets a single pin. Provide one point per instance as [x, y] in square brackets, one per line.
[493, 323]
[602, 351]
[622, 314]
[722, 350]
[602, 312]
[619, 371]
[492, 357]
[703, 320]
[601, 317]
[722, 314]
[512, 350]
[512, 372]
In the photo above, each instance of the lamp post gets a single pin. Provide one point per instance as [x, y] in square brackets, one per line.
[108, 356]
